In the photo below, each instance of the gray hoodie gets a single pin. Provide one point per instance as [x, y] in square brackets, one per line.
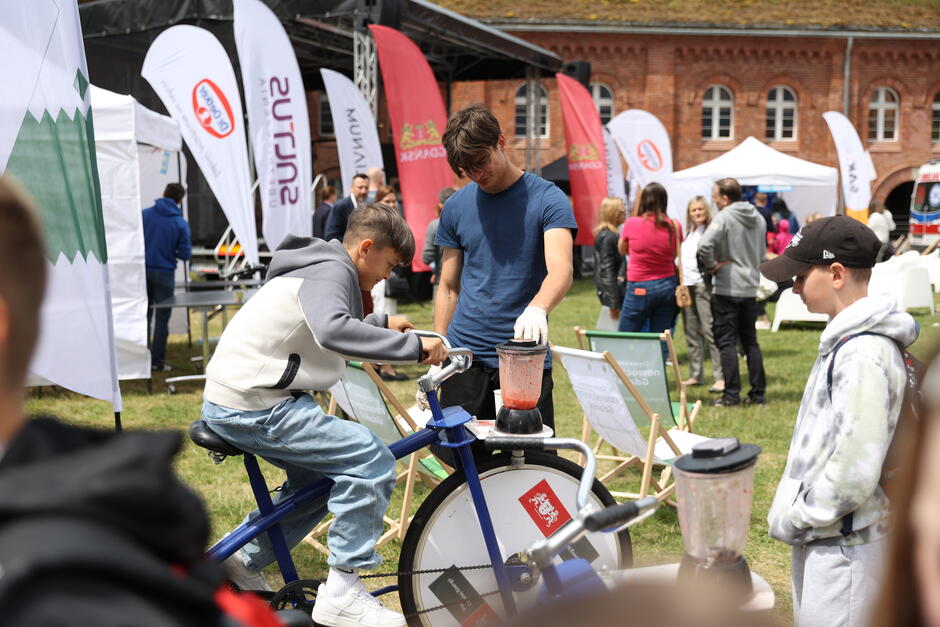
[839, 446]
[298, 330]
[737, 234]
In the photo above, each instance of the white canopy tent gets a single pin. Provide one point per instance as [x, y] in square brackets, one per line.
[806, 187]
[138, 152]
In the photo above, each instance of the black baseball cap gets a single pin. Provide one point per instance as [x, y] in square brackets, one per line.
[838, 239]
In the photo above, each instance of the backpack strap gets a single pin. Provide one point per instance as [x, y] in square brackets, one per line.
[835, 349]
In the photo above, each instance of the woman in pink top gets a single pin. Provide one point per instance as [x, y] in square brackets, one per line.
[649, 237]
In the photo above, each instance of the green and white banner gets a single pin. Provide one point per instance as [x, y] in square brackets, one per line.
[47, 143]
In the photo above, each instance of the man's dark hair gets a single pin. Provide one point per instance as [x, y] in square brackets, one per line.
[384, 226]
[175, 192]
[360, 175]
[470, 133]
[327, 192]
[729, 188]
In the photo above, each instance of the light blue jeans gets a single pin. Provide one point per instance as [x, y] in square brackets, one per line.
[309, 444]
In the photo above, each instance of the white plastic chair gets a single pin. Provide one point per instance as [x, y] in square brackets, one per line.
[790, 308]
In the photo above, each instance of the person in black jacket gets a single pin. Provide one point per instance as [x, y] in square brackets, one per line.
[610, 267]
[339, 214]
[95, 528]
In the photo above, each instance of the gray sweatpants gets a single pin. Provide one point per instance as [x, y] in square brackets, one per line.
[836, 586]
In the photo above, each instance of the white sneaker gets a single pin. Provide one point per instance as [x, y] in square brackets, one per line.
[244, 577]
[356, 607]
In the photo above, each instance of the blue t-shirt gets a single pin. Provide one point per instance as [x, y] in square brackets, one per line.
[501, 236]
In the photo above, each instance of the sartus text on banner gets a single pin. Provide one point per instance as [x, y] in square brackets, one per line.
[418, 118]
[855, 165]
[192, 74]
[47, 143]
[357, 139]
[587, 167]
[277, 115]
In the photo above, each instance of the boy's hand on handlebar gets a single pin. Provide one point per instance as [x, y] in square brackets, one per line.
[433, 351]
[399, 323]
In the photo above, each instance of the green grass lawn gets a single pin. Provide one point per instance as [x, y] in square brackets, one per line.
[788, 357]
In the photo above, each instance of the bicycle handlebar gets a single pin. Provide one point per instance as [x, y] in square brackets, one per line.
[460, 360]
[619, 514]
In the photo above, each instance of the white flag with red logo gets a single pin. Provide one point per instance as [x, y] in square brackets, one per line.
[277, 113]
[645, 146]
[191, 72]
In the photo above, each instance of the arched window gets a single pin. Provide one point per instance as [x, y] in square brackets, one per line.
[935, 118]
[883, 115]
[326, 115]
[781, 114]
[541, 126]
[603, 100]
[717, 113]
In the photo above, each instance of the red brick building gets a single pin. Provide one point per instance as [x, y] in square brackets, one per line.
[713, 85]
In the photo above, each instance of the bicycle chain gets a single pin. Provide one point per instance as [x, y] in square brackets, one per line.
[426, 571]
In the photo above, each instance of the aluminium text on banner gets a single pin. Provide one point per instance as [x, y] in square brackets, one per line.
[277, 116]
[47, 143]
[584, 143]
[418, 120]
[855, 165]
[192, 74]
[357, 139]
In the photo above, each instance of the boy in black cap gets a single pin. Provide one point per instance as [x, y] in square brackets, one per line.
[829, 505]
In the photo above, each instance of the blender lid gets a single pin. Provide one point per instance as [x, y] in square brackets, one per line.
[718, 455]
[523, 346]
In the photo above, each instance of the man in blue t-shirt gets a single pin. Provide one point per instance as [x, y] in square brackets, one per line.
[507, 240]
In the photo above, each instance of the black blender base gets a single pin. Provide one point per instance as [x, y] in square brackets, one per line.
[732, 577]
[519, 421]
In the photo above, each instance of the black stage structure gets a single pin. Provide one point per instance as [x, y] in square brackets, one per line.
[118, 34]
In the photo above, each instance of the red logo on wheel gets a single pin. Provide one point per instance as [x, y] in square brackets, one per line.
[545, 508]
[649, 155]
[212, 109]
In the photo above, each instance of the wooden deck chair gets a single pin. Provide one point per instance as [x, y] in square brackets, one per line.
[606, 395]
[364, 397]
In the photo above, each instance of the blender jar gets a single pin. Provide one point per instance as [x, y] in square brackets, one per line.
[521, 363]
[714, 488]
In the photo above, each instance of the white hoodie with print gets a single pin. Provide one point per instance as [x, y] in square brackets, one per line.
[838, 446]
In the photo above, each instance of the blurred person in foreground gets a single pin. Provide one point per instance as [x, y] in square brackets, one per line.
[610, 267]
[95, 528]
[730, 251]
[830, 506]
[910, 596]
[697, 318]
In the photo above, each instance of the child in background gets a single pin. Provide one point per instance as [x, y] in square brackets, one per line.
[829, 505]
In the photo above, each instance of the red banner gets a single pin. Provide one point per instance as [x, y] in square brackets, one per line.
[584, 141]
[418, 120]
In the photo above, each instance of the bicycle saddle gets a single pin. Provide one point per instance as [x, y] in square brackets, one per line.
[202, 435]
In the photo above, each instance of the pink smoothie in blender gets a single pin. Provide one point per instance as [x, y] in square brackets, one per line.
[521, 364]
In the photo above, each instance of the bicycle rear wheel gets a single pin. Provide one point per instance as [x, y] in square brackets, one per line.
[526, 503]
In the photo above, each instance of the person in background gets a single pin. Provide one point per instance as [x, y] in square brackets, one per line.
[609, 265]
[763, 208]
[166, 239]
[650, 238]
[339, 214]
[697, 319]
[322, 212]
[782, 212]
[781, 238]
[731, 249]
[910, 595]
[382, 304]
[812, 217]
[376, 180]
[431, 252]
[880, 221]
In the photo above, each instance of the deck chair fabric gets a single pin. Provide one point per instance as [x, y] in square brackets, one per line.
[605, 393]
[640, 357]
[364, 397]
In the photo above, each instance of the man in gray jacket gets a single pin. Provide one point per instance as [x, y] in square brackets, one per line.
[731, 249]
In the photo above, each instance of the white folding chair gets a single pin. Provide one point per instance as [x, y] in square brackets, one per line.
[790, 308]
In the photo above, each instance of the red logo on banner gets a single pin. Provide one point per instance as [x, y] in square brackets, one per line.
[545, 508]
[649, 155]
[212, 109]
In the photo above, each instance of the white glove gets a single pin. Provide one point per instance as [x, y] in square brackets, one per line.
[420, 397]
[532, 324]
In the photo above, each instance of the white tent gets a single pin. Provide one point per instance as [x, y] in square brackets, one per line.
[138, 152]
[806, 187]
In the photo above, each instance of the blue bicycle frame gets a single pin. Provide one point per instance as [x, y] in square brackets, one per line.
[446, 428]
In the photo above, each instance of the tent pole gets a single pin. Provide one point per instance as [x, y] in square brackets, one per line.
[117, 422]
